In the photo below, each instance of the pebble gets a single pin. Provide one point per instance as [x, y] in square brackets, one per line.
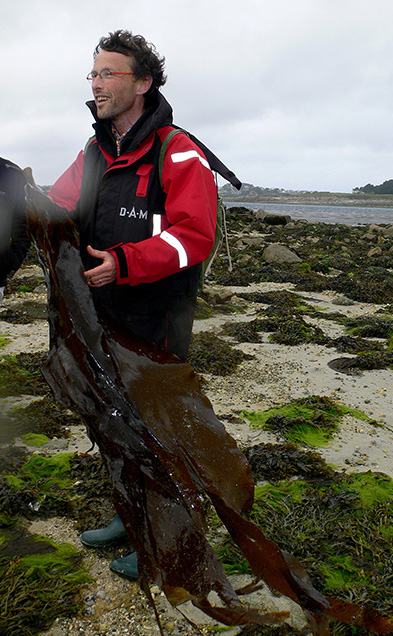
[101, 594]
[90, 599]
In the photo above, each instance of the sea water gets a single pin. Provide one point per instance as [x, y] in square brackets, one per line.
[346, 215]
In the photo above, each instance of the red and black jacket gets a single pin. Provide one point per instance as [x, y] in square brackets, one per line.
[14, 242]
[158, 233]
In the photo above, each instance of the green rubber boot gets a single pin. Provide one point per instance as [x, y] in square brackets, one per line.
[127, 567]
[111, 535]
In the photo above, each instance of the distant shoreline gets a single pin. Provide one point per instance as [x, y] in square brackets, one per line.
[315, 198]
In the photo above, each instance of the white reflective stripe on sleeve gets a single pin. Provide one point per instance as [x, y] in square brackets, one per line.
[178, 157]
[174, 242]
[156, 224]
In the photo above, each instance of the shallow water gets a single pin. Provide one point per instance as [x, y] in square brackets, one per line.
[346, 215]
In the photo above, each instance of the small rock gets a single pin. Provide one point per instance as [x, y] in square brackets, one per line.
[375, 251]
[89, 599]
[343, 301]
[101, 594]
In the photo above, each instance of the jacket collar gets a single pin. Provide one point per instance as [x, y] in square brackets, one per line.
[158, 114]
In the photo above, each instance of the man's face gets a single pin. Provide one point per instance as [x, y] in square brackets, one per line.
[119, 97]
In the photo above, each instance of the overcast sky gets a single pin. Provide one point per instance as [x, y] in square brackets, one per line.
[295, 94]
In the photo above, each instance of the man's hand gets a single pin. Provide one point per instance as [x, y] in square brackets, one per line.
[104, 273]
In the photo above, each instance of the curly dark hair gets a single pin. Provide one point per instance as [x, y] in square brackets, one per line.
[145, 58]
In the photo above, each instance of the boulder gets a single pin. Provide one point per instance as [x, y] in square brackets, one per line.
[271, 218]
[373, 227]
[276, 253]
[375, 251]
[387, 231]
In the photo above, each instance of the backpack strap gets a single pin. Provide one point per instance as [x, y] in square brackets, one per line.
[215, 163]
[221, 233]
[163, 148]
[88, 143]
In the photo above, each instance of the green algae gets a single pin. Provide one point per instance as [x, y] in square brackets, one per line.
[232, 559]
[4, 340]
[46, 472]
[64, 484]
[341, 574]
[35, 439]
[39, 582]
[203, 310]
[41, 484]
[279, 494]
[340, 528]
[310, 421]
[387, 532]
[14, 481]
[372, 488]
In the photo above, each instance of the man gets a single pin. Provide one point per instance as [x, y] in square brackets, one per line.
[14, 242]
[142, 237]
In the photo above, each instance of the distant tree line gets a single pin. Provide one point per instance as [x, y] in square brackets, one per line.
[384, 188]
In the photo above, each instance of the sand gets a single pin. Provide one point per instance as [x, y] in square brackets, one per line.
[275, 375]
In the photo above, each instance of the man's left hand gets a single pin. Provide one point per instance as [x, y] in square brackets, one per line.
[104, 273]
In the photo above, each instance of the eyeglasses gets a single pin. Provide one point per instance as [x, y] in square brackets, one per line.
[105, 74]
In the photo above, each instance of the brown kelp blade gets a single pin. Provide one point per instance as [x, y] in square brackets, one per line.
[162, 445]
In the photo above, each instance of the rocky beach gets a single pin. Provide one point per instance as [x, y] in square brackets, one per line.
[304, 318]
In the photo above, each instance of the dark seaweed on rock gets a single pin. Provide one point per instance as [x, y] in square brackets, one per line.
[210, 354]
[244, 331]
[21, 375]
[90, 483]
[255, 271]
[353, 344]
[11, 458]
[162, 445]
[363, 362]
[24, 282]
[297, 331]
[279, 299]
[371, 326]
[334, 257]
[285, 329]
[285, 313]
[280, 630]
[275, 462]
[25, 312]
[39, 489]
[45, 417]
[371, 285]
